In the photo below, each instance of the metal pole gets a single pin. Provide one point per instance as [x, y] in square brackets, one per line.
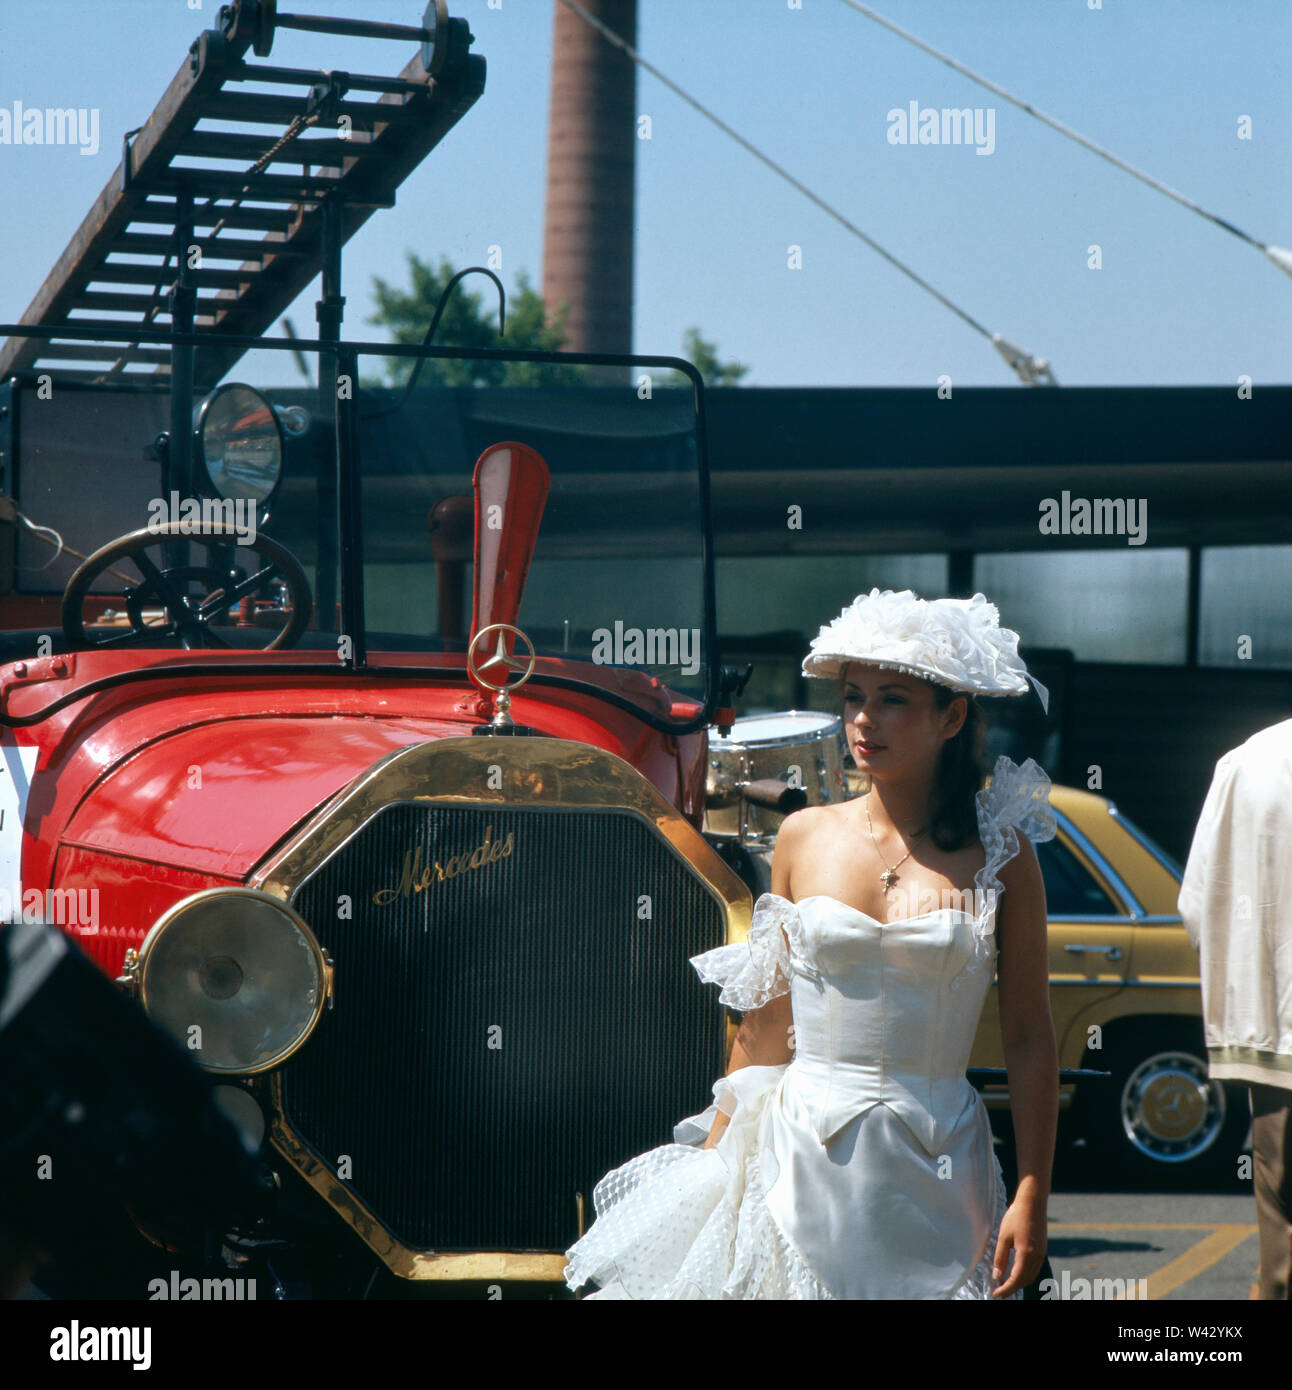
[183, 303]
[1193, 611]
[351, 516]
[960, 573]
[351, 28]
[329, 311]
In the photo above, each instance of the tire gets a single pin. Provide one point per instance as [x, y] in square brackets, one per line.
[1159, 1116]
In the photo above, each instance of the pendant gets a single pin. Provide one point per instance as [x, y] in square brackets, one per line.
[888, 878]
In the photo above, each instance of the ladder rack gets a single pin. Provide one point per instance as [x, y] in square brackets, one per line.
[269, 202]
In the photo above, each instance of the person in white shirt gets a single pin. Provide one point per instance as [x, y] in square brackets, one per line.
[1236, 903]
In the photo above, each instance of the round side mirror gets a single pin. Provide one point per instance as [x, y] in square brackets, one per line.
[240, 444]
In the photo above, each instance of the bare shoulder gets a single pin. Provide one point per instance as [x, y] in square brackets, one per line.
[1024, 869]
[796, 831]
[806, 825]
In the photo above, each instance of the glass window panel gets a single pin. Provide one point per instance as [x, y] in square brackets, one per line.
[1246, 591]
[773, 593]
[771, 606]
[1104, 605]
[1070, 891]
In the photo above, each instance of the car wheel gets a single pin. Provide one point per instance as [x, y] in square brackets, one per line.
[1160, 1115]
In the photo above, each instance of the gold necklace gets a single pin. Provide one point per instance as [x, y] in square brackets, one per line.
[890, 874]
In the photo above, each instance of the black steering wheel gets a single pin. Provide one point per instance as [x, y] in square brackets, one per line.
[194, 597]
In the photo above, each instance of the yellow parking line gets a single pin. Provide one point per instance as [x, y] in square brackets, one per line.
[1210, 1250]
[1137, 1226]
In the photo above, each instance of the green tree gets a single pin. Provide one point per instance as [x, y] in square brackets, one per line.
[703, 355]
[470, 320]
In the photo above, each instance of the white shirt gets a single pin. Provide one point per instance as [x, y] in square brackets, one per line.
[1236, 902]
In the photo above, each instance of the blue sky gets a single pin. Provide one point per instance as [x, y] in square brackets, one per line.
[1163, 83]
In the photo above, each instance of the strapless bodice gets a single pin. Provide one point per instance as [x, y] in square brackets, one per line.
[886, 1012]
[874, 1017]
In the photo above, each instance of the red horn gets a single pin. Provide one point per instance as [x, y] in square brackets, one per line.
[511, 484]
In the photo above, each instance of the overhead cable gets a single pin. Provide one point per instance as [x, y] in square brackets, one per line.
[1280, 256]
[1030, 369]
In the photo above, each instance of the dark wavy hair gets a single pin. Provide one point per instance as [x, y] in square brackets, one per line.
[962, 770]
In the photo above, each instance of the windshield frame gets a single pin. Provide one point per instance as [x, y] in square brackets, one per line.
[346, 355]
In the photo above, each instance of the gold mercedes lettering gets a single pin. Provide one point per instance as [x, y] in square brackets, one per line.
[415, 878]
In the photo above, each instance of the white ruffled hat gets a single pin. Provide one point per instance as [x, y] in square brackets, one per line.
[957, 642]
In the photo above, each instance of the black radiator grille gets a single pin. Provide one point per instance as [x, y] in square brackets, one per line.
[603, 1035]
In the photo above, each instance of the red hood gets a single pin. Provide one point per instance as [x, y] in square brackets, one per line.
[207, 776]
[217, 797]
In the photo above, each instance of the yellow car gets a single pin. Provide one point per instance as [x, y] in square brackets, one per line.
[1126, 999]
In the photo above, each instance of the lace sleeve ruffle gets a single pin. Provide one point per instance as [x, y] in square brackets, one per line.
[1018, 799]
[756, 970]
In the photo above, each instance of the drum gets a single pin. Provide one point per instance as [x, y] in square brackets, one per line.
[768, 766]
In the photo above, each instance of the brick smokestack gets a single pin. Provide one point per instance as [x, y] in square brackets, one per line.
[588, 228]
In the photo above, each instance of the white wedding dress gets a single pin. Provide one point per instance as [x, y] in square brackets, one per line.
[864, 1167]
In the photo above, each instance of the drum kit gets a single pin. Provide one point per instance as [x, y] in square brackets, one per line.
[766, 767]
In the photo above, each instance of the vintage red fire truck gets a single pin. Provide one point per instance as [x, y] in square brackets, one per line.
[361, 732]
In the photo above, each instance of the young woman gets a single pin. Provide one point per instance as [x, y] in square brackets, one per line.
[845, 1154]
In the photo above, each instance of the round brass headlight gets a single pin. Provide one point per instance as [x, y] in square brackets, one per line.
[237, 976]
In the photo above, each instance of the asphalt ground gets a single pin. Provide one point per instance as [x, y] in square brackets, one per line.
[1170, 1240]
[1183, 1246]
[1158, 1239]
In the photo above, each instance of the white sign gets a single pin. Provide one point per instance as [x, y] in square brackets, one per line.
[17, 765]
